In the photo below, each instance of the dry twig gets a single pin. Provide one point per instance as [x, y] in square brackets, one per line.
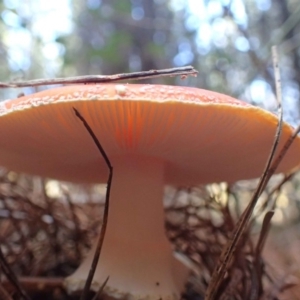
[89, 280]
[183, 71]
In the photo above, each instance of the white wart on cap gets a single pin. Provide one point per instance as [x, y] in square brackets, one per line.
[153, 135]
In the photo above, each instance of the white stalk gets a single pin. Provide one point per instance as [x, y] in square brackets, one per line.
[136, 254]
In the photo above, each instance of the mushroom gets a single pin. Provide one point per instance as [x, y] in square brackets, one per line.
[153, 135]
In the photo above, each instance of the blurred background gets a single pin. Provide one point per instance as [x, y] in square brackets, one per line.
[227, 41]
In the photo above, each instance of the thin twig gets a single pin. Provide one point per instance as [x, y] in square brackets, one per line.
[54, 227]
[4, 295]
[89, 280]
[183, 71]
[34, 284]
[231, 245]
[75, 222]
[99, 293]
[11, 276]
[256, 285]
[274, 190]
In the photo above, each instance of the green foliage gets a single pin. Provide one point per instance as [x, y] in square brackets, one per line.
[115, 45]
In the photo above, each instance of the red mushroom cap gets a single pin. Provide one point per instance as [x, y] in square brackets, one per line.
[202, 136]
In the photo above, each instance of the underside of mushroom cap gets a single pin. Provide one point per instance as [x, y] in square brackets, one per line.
[201, 136]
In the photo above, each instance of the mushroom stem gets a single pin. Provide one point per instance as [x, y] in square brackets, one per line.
[136, 255]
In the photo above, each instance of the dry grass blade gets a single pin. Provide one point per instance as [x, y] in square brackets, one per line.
[285, 149]
[231, 245]
[264, 233]
[89, 280]
[180, 71]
